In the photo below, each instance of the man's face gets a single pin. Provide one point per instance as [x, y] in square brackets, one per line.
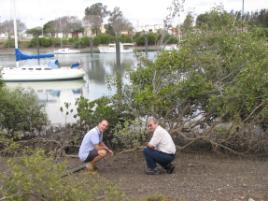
[103, 126]
[151, 126]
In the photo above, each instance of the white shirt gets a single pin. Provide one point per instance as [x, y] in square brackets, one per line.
[162, 141]
[93, 137]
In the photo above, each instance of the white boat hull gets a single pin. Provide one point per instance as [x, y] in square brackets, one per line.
[111, 48]
[104, 49]
[66, 51]
[18, 74]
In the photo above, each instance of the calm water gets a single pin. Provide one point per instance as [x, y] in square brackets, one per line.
[100, 70]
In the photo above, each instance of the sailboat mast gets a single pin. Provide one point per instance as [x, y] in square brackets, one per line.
[15, 25]
[15, 29]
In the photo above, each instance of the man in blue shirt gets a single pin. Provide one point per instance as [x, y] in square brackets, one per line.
[92, 148]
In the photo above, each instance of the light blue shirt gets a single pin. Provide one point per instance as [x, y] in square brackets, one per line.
[92, 138]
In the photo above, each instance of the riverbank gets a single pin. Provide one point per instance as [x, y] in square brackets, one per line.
[10, 51]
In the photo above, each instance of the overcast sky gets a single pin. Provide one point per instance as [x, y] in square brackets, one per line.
[139, 12]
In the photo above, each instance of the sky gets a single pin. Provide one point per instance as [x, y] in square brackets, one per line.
[139, 12]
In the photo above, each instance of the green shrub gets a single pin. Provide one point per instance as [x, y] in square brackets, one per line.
[129, 135]
[7, 146]
[34, 42]
[103, 39]
[157, 198]
[9, 43]
[20, 110]
[35, 176]
[45, 42]
[56, 42]
[84, 42]
[125, 39]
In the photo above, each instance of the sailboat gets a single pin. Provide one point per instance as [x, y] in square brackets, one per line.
[50, 72]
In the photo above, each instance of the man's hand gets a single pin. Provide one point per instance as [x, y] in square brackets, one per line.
[150, 146]
[110, 152]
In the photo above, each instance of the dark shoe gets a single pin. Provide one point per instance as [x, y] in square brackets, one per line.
[170, 168]
[152, 171]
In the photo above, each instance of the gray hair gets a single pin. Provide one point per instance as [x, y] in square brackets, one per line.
[153, 119]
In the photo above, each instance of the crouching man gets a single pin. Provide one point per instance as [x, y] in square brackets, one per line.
[160, 149]
[92, 148]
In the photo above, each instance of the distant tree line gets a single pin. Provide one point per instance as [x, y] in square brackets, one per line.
[117, 23]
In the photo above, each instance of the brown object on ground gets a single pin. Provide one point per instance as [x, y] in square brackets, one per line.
[197, 177]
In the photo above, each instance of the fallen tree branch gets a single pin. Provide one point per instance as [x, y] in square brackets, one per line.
[255, 109]
[227, 148]
[74, 170]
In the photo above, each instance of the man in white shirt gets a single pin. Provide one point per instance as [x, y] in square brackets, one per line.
[160, 149]
[92, 148]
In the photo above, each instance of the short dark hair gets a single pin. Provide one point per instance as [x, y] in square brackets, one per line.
[103, 120]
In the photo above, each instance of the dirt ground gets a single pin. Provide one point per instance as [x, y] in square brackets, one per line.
[197, 177]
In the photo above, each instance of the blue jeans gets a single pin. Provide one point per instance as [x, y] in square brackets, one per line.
[153, 156]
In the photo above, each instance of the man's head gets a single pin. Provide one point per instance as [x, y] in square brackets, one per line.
[103, 125]
[152, 123]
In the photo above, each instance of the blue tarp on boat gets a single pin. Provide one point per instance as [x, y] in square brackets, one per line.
[21, 56]
[75, 65]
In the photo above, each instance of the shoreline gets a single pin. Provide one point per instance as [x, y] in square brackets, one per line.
[10, 51]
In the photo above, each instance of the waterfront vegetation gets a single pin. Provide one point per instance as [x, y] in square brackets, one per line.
[211, 94]
[101, 39]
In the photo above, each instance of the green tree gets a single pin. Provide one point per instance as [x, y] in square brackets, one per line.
[220, 76]
[8, 27]
[188, 23]
[97, 9]
[217, 19]
[94, 16]
[50, 28]
[36, 32]
[260, 18]
[118, 23]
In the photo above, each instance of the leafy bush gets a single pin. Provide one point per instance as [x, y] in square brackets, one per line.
[83, 42]
[20, 110]
[1, 81]
[46, 42]
[56, 42]
[112, 109]
[103, 39]
[125, 39]
[152, 38]
[7, 146]
[130, 135]
[35, 176]
[9, 43]
[34, 42]
[91, 112]
[170, 39]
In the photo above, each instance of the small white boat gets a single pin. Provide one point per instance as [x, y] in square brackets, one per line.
[41, 73]
[111, 48]
[170, 47]
[66, 51]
